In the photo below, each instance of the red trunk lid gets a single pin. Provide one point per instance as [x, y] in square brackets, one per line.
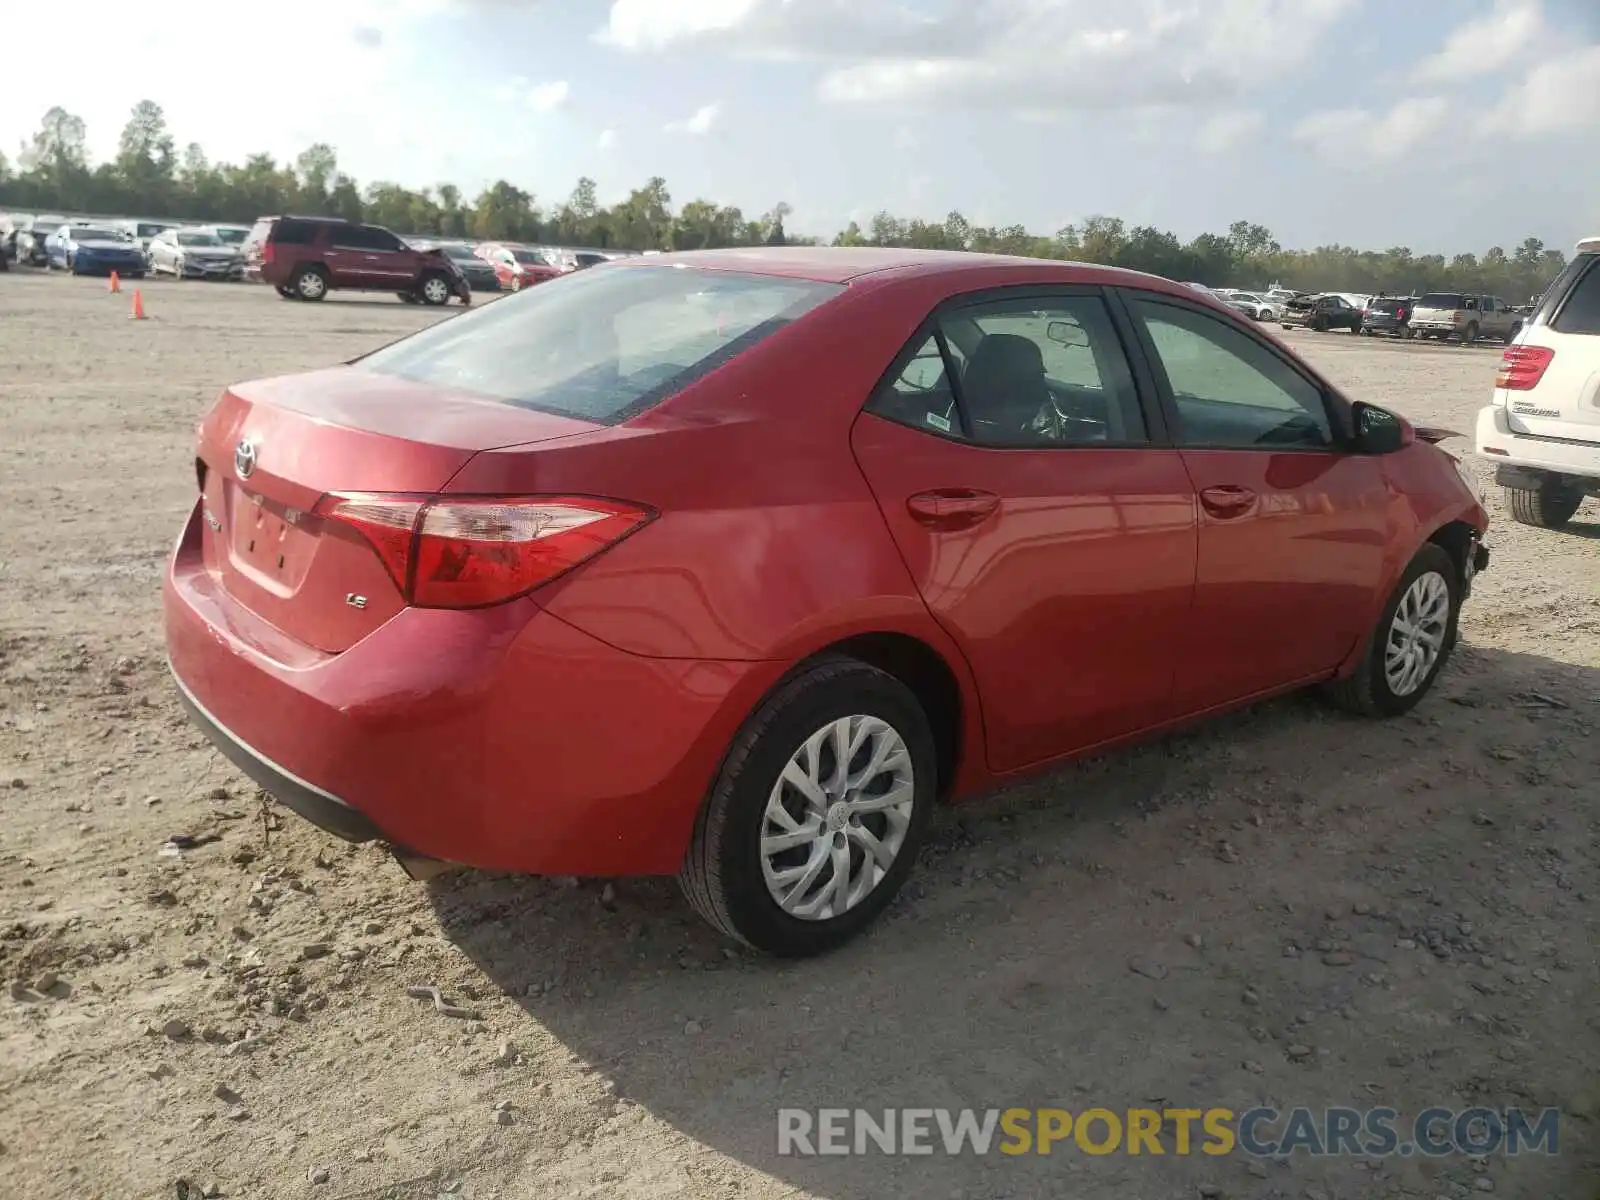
[340, 430]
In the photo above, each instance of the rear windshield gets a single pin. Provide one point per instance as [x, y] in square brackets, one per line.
[232, 237]
[149, 231]
[1575, 297]
[602, 345]
[460, 253]
[87, 234]
[536, 258]
[198, 239]
[1386, 304]
[1451, 300]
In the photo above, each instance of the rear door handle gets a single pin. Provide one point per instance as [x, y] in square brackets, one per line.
[951, 509]
[1227, 500]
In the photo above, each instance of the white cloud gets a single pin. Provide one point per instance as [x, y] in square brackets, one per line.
[1032, 55]
[1488, 44]
[510, 90]
[654, 24]
[1560, 95]
[704, 118]
[1224, 130]
[1359, 137]
[546, 97]
[607, 139]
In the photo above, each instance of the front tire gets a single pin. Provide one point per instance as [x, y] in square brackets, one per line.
[434, 290]
[1411, 642]
[816, 817]
[1549, 506]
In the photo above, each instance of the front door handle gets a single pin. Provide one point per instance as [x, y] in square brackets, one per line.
[950, 509]
[1227, 500]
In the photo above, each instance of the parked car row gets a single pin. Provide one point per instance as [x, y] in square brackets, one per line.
[304, 258]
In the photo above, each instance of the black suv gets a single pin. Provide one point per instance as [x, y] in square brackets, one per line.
[1389, 315]
[307, 257]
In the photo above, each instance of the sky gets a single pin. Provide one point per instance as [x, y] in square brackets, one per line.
[1444, 127]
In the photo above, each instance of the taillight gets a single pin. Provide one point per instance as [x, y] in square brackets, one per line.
[267, 252]
[477, 551]
[1399, 314]
[1521, 367]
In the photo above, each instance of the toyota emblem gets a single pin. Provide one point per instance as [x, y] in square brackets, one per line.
[244, 458]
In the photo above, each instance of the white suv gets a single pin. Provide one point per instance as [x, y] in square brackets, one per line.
[1543, 427]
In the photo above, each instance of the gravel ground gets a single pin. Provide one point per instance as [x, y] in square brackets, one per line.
[1284, 906]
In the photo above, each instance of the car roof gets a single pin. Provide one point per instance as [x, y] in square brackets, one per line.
[842, 264]
[1589, 245]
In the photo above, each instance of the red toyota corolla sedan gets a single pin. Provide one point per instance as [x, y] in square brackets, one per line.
[518, 267]
[734, 564]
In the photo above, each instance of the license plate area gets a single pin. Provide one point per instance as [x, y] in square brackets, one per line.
[269, 541]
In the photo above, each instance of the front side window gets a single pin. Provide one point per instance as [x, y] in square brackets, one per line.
[602, 345]
[1229, 390]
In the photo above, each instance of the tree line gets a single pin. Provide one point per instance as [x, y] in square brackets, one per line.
[148, 177]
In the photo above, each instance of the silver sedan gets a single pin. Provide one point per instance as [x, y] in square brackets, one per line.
[194, 254]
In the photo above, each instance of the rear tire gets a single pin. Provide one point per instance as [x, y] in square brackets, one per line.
[1373, 690]
[309, 283]
[286, 293]
[731, 872]
[1549, 506]
[1515, 331]
[1469, 335]
[407, 297]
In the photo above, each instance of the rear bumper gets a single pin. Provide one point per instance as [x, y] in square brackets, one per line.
[501, 738]
[311, 802]
[1496, 442]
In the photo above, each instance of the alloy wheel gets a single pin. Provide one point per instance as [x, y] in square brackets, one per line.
[1417, 633]
[312, 285]
[435, 290]
[837, 817]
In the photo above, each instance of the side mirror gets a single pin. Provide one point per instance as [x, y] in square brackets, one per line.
[1067, 333]
[1379, 431]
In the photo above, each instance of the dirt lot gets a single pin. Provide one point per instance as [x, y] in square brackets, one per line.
[1410, 906]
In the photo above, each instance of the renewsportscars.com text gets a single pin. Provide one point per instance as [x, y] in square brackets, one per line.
[1258, 1132]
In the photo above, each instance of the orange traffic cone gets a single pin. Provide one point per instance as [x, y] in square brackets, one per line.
[116, 284]
[138, 307]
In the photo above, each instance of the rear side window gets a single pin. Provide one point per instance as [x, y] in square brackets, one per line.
[293, 233]
[602, 346]
[1579, 312]
[364, 237]
[1038, 372]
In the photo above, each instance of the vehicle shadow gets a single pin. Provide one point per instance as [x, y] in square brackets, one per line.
[1086, 941]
